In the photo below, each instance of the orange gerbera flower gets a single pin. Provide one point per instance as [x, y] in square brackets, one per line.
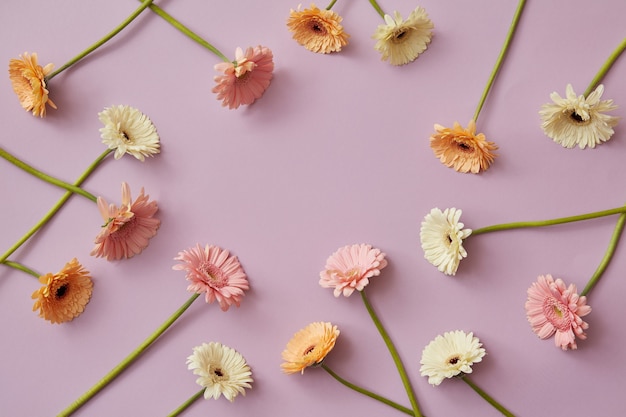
[28, 80]
[309, 346]
[65, 294]
[462, 149]
[317, 30]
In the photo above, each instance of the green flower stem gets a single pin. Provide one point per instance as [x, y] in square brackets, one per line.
[56, 207]
[184, 29]
[377, 8]
[487, 397]
[367, 393]
[187, 403]
[330, 6]
[102, 41]
[606, 67]
[551, 222]
[394, 354]
[500, 60]
[21, 267]
[45, 177]
[128, 360]
[608, 255]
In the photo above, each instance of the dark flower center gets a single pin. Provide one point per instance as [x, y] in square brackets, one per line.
[61, 291]
[218, 372]
[125, 137]
[399, 35]
[576, 117]
[453, 360]
[308, 350]
[464, 147]
[318, 28]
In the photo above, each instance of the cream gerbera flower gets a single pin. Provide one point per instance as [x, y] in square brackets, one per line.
[309, 347]
[221, 370]
[127, 130]
[450, 355]
[442, 237]
[401, 41]
[28, 80]
[317, 30]
[578, 120]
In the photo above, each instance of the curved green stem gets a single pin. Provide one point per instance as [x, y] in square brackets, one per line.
[128, 360]
[377, 8]
[606, 67]
[487, 397]
[56, 207]
[330, 6]
[21, 267]
[500, 60]
[102, 41]
[187, 403]
[366, 392]
[551, 222]
[394, 354]
[45, 177]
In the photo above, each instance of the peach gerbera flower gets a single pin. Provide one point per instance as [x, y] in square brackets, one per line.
[554, 308]
[128, 228]
[65, 294]
[246, 78]
[214, 271]
[28, 80]
[350, 268]
[317, 30]
[309, 347]
[462, 149]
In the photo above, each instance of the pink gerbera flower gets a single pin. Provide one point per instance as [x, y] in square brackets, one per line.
[213, 271]
[350, 268]
[552, 307]
[128, 228]
[246, 78]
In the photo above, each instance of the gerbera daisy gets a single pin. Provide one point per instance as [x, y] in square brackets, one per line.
[127, 130]
[246, 78]
[309, 347]
[213, 271]
[317, 30]
[442, 237]
[554, 308]
[350, 268]
[401, 41]
[28, 80]
[576, 120]
[65, 294]
[128, 228]
[462, 149]
[221, 370]
[450, 355]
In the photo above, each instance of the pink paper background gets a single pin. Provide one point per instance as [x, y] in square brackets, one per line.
[336, 152]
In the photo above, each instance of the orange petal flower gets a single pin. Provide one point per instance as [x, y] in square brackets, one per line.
[317, 30]
[28, 80]
[309, 346]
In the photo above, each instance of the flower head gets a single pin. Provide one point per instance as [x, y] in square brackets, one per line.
[246, 78]
[128, 228]
[127, 130]
[442, 237]
[28, 80]
[554, 308]
[576, 120]
[221, 370]
[213, 271]
[449, 355]
[65, 294]
[317, 30]
[401, 41]
[350, 268]
[462, 149]
[309, 347]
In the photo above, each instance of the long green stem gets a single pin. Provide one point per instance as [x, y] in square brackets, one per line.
[128, 360]
[487, 397]
[56, 207]
[187, 403]
[331, 4]
[102, 41]
[551, 222]
[377, 8]
[45, 177]
[606, 67]
[394, 354]
[20, 267]
[500, 60]
[366, 392]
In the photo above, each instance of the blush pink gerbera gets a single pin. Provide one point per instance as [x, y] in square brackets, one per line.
[128, 228]
[350, 268]
[554, 308]
[215, 272]
[246, 78]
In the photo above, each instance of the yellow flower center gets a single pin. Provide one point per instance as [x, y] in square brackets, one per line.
[214, 275]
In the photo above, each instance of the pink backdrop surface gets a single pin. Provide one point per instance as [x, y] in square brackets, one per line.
[336, 152]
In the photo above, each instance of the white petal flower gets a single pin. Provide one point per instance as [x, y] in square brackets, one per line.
[127, 130]
[449, 355]
[442, 237]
